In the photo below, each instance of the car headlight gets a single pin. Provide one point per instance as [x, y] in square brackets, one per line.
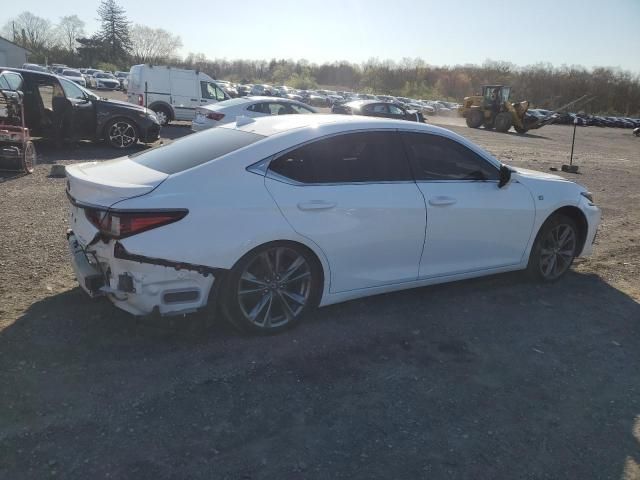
[588, 196]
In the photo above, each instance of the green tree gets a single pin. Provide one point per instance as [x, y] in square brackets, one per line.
[114, 31]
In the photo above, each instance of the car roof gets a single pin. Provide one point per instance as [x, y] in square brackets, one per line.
[26, 72]
[278, 124]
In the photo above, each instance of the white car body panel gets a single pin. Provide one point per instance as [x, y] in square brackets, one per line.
[372, 234]
[371, 241]
[474, 226]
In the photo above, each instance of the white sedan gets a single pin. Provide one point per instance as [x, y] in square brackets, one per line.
[221, 113]
[74, 76]
[277, 215]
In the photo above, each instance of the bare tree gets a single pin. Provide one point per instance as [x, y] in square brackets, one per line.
[32, 32]
[152, 45]
[69, 30]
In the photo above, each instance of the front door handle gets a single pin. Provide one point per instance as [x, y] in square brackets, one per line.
[193, 99]
[316, 205]
[442, 201]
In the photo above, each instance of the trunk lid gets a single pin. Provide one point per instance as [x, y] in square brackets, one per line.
[105, 183]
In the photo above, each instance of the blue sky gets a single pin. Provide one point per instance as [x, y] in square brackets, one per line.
[572, 32]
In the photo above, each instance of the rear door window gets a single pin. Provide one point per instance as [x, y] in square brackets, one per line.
[195, 150]
[350, 158]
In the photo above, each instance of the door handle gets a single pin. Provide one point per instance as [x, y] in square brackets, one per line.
[316, 205]
[442, 201]
[193, 99]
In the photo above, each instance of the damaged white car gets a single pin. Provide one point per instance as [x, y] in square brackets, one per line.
[277, 215]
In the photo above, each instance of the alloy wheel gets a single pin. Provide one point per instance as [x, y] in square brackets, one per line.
[557, 251]
[122, 134]
[274, 288]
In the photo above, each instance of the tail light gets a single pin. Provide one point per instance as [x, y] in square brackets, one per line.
[217, 116]
[119, 224]
[140, 100]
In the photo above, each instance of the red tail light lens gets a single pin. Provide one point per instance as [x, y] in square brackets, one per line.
[215, 116]
[140, 100]
[120, 224]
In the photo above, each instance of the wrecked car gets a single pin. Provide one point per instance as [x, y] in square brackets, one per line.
[58, 109]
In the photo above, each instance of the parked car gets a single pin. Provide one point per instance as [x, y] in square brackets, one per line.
[88, 74]
[35, 67]
[104, 81]
[57, 108]
[121, 76]
[261, 90]
[376, 108]
[228, 111]
[243, 90]
[173, 93]
[74, 76]
[274, 216]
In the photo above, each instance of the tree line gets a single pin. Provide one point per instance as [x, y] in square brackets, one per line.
[118, 44]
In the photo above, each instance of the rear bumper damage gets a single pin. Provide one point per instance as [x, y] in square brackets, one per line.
[138, 284]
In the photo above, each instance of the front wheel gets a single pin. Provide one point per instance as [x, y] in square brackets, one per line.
[554, 250]
[121, 133]
[271, 288]
[475, 118]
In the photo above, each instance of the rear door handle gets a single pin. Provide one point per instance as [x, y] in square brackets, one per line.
[442, 201]
[194, 99]
[316, 205]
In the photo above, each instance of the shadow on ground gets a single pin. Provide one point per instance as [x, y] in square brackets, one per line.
[492, 378]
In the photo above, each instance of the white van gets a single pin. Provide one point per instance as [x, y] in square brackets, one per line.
[172, 93]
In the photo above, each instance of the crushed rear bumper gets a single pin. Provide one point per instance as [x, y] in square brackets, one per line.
[141, 285]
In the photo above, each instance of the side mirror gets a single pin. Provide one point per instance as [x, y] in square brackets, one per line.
[505, 176]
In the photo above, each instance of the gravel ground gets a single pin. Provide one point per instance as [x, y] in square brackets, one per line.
[484, 379]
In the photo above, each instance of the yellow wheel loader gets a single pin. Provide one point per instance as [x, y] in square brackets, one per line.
[493, 109]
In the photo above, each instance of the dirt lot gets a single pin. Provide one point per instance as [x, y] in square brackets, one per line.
[485, 379]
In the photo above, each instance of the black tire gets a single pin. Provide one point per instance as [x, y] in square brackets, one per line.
[258, 299]
[121, 133]
[488, 124]
[521, 131]
[475, 118]
[503, 122]
[163, 114]
[547, 262]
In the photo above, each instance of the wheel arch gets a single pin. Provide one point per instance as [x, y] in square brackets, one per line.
[318, 258]
[119, 116]
[577, 216]
[160, 103]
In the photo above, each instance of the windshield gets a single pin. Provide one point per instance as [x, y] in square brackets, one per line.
[71, 73]
[105, 75]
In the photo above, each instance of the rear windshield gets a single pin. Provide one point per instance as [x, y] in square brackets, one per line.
[195, 149]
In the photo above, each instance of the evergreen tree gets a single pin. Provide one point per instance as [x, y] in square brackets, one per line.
[114, 31]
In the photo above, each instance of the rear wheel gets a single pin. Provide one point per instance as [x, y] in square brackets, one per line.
[503, 122]
[474, 118]
[271, 288]
[554, 249]
[121, 133]
[162, 114]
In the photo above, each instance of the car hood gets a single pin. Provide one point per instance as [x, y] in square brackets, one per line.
[526, 173]
[120, 103]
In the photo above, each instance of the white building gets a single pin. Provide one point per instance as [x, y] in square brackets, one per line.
[12, 55]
